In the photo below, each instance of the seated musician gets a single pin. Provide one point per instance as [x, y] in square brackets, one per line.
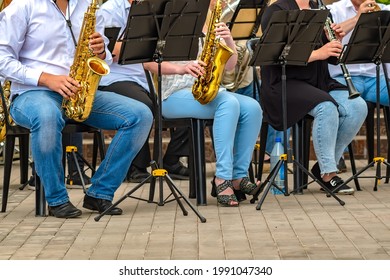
[311, 90]
[36, 56]
[237, 118]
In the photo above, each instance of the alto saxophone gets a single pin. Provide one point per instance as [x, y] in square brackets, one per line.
[215, 55]
[6, 88]
[87, 69]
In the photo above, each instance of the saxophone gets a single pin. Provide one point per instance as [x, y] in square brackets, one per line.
[6, 88]
[87, 69]
[233, 79]
[215, 55]
[4, 4]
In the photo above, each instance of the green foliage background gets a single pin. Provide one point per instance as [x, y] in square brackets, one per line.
[383, 1]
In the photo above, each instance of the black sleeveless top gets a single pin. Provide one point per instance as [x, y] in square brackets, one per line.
[307, 85]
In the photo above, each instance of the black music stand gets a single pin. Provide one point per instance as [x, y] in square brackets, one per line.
[245, 24]
[246, 19]
[164, 30]
[368, 44]
[112, 34]
[289, 39]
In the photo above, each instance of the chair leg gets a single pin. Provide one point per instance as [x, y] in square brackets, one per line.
[306, 147]
[386, 113]
[40, 200]
[24, 154]
[297, 134]
[156, 148]
[199, 161]
[191, 164]
[370, 131]
[98, 144]
[263, 142]
[8, 158]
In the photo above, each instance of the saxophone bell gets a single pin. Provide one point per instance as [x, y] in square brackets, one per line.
[87, 69]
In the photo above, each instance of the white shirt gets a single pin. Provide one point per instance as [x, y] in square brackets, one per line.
[35, 38]
[115, 14]
[341, 11]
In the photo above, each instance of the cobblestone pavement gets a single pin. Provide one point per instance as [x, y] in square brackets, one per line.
[299, 227]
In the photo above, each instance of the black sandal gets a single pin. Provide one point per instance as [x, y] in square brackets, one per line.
[247, 187]
[224, 199]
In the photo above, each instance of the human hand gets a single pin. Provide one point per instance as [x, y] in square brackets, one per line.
[368, 6]
[332, 48]
[96, 44]
[195, 68]
[338, 31]
[223, 31]
[62, 84]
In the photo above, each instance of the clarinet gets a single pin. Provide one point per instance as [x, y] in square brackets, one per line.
[353, 93]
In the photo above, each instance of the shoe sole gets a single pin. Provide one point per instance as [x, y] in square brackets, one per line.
[346, 192]
[74, 215]
[92, 208]
[342, 192]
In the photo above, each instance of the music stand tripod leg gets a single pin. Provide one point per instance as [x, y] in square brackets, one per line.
[72, 151]
[269, 182]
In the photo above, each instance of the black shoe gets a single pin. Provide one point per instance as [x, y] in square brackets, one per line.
[333, 184]
[100, 205]
[177, 171]
[137, 175]
[74, 180]
[341, 166]
[66, 210]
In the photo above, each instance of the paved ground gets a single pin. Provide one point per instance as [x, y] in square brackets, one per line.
[308, 226]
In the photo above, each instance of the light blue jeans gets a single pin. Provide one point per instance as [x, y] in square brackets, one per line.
[272, 133]
[335, 127]
[237, 122]
[367, 87]
[41, 112]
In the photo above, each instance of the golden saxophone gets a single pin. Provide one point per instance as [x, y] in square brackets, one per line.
[87, 69]
[6, 87]
[215, 55]
[4, 4]
[6, 92]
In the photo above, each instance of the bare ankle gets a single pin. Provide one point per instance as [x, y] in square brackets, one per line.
[328, 176]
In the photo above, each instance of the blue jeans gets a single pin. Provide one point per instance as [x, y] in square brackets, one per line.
[237, 121]
[41, 112]
[335, 127]
[272, 132]
[367, 87]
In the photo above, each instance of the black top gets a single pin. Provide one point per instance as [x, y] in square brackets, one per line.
[306, 86]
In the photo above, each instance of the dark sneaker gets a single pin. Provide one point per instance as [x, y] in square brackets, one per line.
[137, 175]
[74, 181]
[333, 184]
[177, 171]
[341, 166]
[100, 205]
